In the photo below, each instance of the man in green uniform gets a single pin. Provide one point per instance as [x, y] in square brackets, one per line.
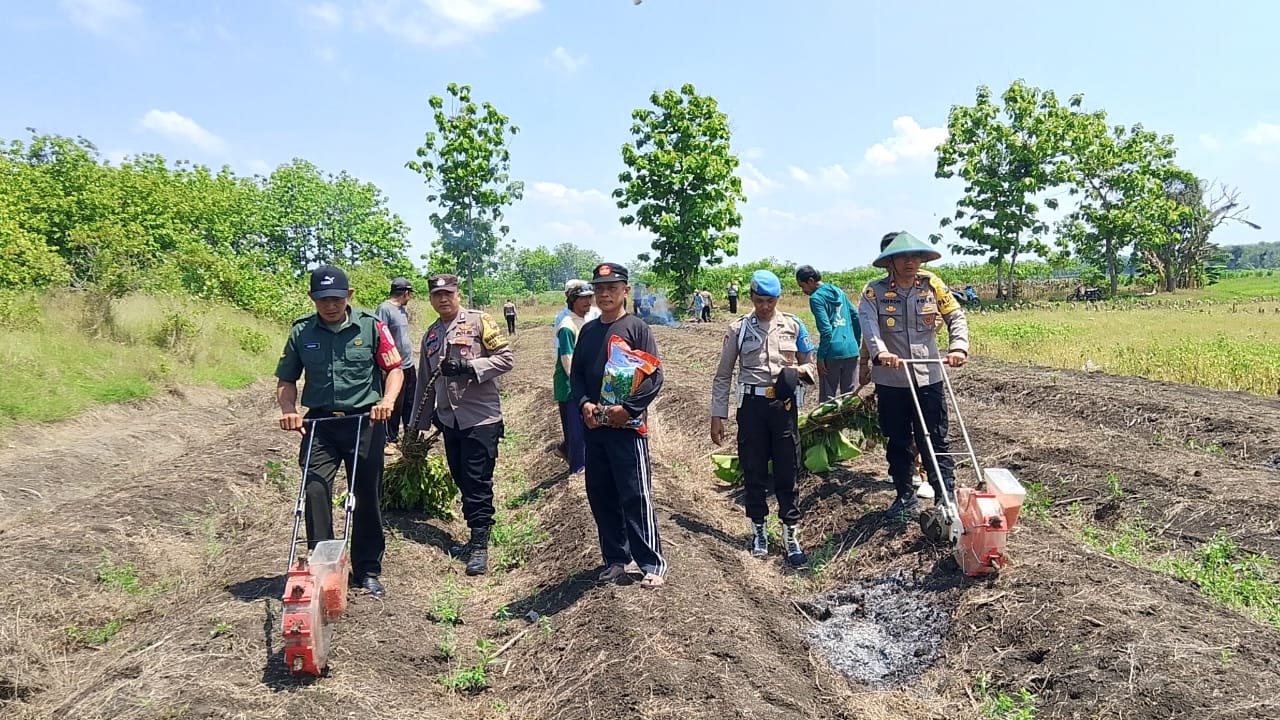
[351, 367]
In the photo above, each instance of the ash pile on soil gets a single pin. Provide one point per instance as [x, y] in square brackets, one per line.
[883, 633]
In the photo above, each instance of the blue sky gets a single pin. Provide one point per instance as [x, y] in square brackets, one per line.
[835, 106]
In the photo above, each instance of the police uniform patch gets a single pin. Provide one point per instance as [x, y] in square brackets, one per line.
[440, 282]
[928, 309]
[358, 342]
[871, 294]
[890, 294]
[890, 322]
[311, 346]
[891, 308]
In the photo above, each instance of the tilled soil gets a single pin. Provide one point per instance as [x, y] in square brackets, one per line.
[180, 488]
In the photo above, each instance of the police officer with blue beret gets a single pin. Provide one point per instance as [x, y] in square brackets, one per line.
[774, 356]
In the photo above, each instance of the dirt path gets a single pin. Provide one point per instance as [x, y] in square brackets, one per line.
[179, 488]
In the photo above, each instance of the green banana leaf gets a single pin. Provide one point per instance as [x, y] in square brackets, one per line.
[816, 460]
[839, 448]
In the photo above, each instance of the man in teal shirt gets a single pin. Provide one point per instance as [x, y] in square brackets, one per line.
[839, 333]
[574, 448]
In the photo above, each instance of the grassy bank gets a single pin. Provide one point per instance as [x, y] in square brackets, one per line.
[66, 352]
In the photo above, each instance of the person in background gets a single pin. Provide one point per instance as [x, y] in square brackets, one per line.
[463, 355]
[592, 314]
[393, 313]
[706, 305]
[573, 449]
[839, 334]
[350, 366]
[695, 305]
[619, 485]
[901, 314]
[773, 354]
[509, 312]
[732, 294]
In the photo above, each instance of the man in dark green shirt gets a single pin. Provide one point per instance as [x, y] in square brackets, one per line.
[351, 367]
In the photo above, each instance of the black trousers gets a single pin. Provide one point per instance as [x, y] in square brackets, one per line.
[767, 433]
[733, 304]
[900, 425]
[334, 445]
[620, 492]
[511, 324]
[472, 454]
[706, 313]
[404, 406]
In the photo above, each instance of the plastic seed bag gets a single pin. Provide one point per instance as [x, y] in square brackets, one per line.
[624, 371]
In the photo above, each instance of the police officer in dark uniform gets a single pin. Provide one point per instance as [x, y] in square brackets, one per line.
[351, 367]
[463, 355]
[774, 354]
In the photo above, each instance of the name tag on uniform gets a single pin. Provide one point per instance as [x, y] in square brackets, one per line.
[311, 346]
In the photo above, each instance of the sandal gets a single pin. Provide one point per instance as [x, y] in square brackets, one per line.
[652, 581]
[612, 573]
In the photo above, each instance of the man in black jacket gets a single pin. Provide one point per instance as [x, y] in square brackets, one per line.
[619, 486]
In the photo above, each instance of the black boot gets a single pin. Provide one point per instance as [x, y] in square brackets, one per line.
[478, 562]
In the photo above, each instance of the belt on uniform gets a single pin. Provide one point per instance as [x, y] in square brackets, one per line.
[337, 413]
[764, 391]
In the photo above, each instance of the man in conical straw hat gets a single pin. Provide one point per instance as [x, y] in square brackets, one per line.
[900, 316]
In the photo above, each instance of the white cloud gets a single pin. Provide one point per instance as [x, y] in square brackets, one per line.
[181, 128]
[1263, 133]
[326, 13]
[564, 59]
[101, 16]
[259, 167]
[1210, 142]
[910, 141]
[842, 216]
[832, 177]
[752, 153]
[561, 196]
[442, 23]
[755, 182]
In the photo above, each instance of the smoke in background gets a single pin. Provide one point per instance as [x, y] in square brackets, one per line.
[654, 308]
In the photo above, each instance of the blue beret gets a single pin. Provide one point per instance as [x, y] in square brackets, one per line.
[764, 282]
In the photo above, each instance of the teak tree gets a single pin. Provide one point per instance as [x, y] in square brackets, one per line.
[680, 180]
[466, 164]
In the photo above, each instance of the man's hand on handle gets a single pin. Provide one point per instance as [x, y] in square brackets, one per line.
[382, 411]
[292, 422]
[956, 358]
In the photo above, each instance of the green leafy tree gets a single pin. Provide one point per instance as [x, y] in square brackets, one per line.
[573, 262]
[535, 268]
[1180, 255]
[681, 183]
[466, 165]
[1119, 175]
[1008, 157]
[311, 219]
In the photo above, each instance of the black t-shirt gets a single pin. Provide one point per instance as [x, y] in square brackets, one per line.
[592, 351]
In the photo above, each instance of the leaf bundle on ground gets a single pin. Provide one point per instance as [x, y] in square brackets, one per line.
[419, 481]
[839, 429]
